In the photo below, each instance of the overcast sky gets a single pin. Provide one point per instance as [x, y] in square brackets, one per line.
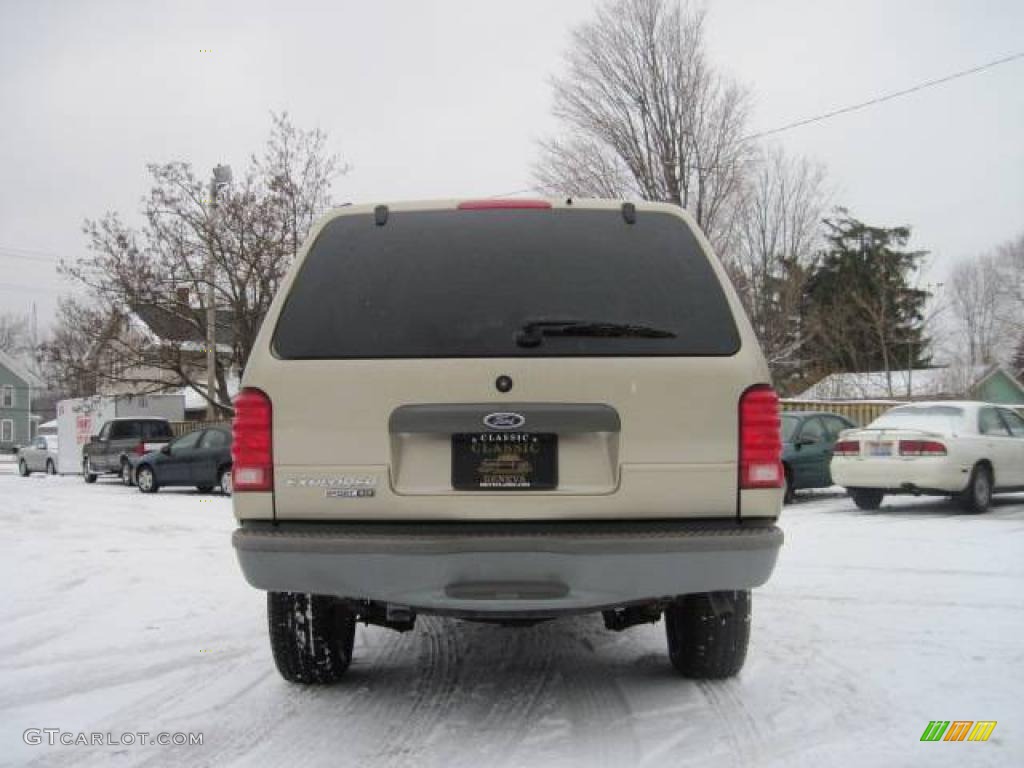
[447, 99]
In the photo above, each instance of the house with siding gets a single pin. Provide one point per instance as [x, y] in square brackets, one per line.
[16, 386]
[990, 383]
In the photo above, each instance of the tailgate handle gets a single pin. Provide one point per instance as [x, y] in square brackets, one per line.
[452, 418]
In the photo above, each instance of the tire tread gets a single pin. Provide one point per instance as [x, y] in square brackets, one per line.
[705, 641]
[311, 636]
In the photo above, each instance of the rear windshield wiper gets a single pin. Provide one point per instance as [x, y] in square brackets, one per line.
[533, 333]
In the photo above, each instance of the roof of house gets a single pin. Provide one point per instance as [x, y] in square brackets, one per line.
[195, 401]
[948, 381]
[19, 370]
[172, 326]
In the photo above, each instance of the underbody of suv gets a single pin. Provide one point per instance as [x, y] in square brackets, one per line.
[506, 411]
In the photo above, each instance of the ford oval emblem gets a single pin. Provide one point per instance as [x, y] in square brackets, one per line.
[504, 420]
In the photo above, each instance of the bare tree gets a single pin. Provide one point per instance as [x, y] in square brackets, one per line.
[978, 300]
[645, 113]
[1010, 256]
[15, 336]
[778, 231]
[162, 270]
[986, 300]
[69, 357]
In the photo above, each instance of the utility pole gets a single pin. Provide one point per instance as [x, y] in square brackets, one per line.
[221, 178]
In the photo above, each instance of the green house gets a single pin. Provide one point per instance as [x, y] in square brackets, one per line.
[16, 385]
[998, 385]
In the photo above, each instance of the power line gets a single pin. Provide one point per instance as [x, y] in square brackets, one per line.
[43, 259]
[516, 192]
[851, 108]
[28, 253]
[886, 97]
[29, 288]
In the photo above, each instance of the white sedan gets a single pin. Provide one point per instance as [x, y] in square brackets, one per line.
[968, 450]
[40, 456]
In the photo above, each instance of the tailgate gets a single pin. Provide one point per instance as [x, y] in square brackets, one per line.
[408, 439]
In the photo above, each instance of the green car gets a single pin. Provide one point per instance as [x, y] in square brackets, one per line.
[808, 438]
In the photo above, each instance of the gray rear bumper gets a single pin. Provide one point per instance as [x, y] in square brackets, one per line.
[508, 568]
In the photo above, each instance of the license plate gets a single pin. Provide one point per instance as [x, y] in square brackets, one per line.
[504, 461]
[879, 449]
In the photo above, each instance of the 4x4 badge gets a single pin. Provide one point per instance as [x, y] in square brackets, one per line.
[504, 420]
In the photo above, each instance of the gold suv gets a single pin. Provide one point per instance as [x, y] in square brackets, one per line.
[508, 411]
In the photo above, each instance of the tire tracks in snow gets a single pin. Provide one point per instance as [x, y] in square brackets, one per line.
[602, 713]
[741, 729]
[265, 704]
[436, 693]
[510, 717]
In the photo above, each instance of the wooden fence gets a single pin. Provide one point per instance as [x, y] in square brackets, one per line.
[180, 428]
[861, 412]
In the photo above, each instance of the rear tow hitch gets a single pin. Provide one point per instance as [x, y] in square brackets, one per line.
[624, 618]
[400, 618]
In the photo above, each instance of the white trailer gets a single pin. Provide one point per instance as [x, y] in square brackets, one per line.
[80, 418]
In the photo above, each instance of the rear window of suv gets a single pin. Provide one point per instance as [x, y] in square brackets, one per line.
[146, 430]
[464, 283]
[156, 430]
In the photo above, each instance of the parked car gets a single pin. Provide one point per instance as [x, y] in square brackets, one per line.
[808, 438]
[507, 411]
[111, 451]
[40, 456]
[967, 450]
[201, 458]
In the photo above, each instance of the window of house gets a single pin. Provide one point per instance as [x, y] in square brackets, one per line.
[6, 431]
[7, 396]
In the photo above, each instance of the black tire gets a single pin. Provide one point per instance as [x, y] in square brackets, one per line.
[225, 481]
[708, 633]
[977, 497]
[204, 488]
[23, 469]
[788, 492]
[311, 636]
[50, 468]
[866, 498]
[87, 474]
[145, 479]
[126, 473]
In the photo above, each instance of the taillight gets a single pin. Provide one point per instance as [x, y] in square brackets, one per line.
[847, 448]
[760, 438]
[252, 463]
[921, 448]
[499, 204]
[139, 449]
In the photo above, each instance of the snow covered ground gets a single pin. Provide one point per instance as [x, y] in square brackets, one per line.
[127, 613]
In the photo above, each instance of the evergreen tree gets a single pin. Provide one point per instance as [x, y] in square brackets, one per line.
[860, 312]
